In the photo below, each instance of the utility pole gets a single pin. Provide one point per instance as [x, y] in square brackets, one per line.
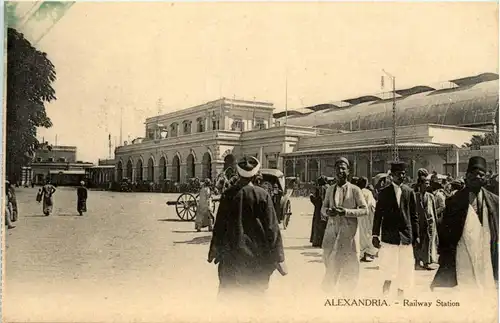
[121, 124]
[286, 98]
[395, 152]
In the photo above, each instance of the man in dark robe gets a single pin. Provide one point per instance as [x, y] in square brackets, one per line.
[81, 203]
[14, 202]
[246, 241]
[468, 236]
[318, 224]
[396, 217]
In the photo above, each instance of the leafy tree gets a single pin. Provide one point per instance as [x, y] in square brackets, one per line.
[29, 85]
[488, 139]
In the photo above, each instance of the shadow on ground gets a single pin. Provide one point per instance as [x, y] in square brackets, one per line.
[184, 231]
[312, 254]
[197, 240]
[300, 248]
[172, 220]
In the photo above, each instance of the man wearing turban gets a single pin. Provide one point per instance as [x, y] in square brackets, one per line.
[246, 241]
[343, 204]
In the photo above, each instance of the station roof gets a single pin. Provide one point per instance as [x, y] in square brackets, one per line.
[467, 101]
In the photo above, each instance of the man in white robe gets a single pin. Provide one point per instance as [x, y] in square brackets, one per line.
[468, 237]
[343, 204]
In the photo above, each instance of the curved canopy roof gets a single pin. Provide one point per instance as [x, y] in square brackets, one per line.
[467, 104]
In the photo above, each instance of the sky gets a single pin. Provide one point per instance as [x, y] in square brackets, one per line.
[113, 56]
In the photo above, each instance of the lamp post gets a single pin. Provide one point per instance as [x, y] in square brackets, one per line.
[395, 153]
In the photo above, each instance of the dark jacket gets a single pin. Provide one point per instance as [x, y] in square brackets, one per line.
[246, 231]
[399, 224]
[451, 229]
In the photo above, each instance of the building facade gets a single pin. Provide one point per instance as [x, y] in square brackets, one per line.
[370, 152]
[102, 175]
[203, 140]
[458, 159]
[57, 163]
[432, 123]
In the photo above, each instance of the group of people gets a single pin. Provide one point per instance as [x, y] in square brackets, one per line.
[406, 227]
[452, 223]
[45, 196]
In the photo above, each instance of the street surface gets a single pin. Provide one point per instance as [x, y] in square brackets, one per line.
[130, 258]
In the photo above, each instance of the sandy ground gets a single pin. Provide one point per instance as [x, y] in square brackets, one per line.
[131, 259]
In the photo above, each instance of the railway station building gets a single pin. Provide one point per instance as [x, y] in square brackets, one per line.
[432, 125]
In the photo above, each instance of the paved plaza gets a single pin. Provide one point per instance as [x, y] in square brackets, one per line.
[131, 259]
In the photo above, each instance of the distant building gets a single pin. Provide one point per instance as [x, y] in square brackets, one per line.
[58, 163]
[102, 175]
[427, 146]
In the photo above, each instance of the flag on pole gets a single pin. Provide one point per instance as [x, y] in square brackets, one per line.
[41, 19]
[382, 82]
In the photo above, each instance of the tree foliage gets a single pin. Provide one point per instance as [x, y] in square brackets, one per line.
[29, 86]
[477, 141]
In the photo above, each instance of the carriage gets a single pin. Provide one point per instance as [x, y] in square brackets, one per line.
[273, 181]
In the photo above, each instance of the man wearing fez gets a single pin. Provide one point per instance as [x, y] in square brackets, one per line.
[396, 215]
[343, 204]
[246, 241]
[468, 235]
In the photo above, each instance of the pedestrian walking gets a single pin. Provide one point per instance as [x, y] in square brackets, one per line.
[12, 190]
[396, 216]
[8, 207]
[204, 216]
[246, 242]
[468, 236]
[318, 224]
[81, 201]
[48, 191]
[439, 195]
[367, 250]
[343, 205]
[426, 252]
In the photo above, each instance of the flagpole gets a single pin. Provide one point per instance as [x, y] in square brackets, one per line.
[253, 119]
[395, 153]
[121, 124]
[109, 146]
[286, 98]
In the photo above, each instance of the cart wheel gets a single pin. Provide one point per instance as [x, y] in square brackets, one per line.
[186, 206]
[287, 212]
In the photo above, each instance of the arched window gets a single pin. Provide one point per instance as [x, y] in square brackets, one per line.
[174, 129]
[186, 127]
[215, 121]
[200, 124]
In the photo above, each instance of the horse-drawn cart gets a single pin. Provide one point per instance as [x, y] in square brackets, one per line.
[273, 181]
